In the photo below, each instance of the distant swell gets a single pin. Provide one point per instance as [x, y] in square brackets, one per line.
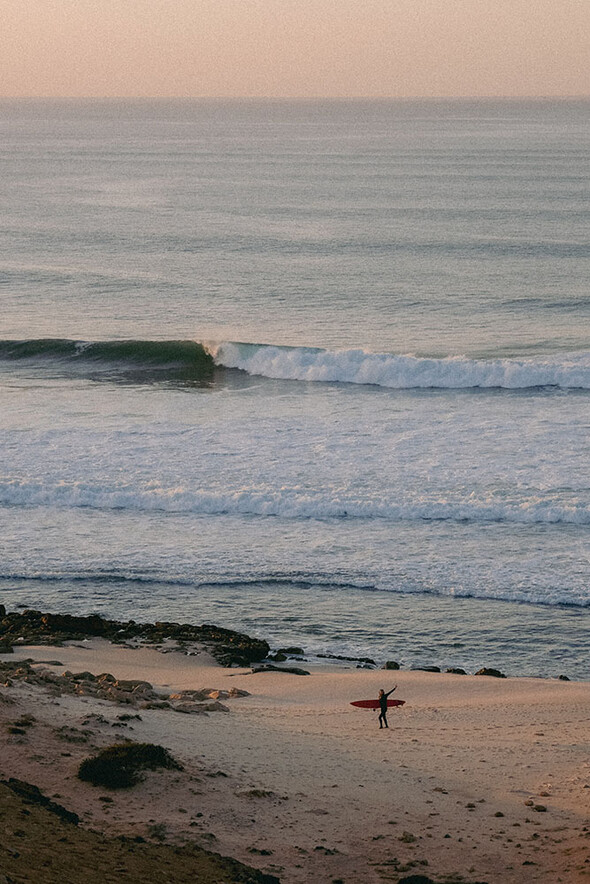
[566, 371]
[293, 503]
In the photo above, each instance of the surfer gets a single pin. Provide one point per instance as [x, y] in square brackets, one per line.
[383, 706]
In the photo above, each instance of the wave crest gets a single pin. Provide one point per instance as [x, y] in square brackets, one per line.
[187, 358]
[294, 503]
[566, 371]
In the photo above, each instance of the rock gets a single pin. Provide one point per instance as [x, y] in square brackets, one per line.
[132, 686]
[293, 670]
[494, 673]
[190, 708]
[348, 659]
[390, 664]
[277, 658]
[416, 879]
[195, 696]
[2, 612]
[456, 670]
[407, 838]
[106, 677]
[6, 648]
[291, 652]
[426, 668]
[563, 678]
[540, 808]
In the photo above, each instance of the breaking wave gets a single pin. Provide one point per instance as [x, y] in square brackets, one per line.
[566, 371]
[195, 360]
[292, 503]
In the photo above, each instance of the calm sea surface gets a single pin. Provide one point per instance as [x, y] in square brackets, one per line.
[319, 371]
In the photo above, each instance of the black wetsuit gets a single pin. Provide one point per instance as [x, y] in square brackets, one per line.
[383, 705]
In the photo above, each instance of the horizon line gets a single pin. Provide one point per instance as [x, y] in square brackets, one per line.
[442, 97]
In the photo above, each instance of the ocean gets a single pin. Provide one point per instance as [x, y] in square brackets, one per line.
[314, 370]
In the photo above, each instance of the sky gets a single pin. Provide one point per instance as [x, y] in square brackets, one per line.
[294, 48]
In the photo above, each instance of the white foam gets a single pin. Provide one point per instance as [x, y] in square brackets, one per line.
[567, 371]
[292, 503]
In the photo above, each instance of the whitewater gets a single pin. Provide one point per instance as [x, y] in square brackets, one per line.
[402, 372]
[319, 371]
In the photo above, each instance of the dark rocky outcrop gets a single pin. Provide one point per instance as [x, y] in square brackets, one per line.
[455, 670]
[416, 879]
[366, 660]
[494, 673]
[33, 795]
[424, 879]
[34, 627]
[426, 668]
[293, 670]
[391, 664]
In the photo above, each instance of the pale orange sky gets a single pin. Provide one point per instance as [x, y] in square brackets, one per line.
[294, 48]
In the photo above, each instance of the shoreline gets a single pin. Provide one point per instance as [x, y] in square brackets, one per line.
[282, 774]
[228, 645]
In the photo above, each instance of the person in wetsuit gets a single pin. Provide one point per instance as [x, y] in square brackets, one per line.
[383, 705]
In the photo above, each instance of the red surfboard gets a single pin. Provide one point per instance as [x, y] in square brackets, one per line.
[374, 704]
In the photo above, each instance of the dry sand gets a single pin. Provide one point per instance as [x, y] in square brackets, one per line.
[296, 782]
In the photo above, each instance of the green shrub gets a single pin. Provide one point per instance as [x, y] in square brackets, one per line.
[119, 766]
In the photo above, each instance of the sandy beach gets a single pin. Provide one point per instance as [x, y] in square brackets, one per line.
[477, 778]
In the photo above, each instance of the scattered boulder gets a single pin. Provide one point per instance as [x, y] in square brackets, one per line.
[189, 708]
[391, 664]
[494, 673]
[366, 660]
[563, 678]
[407, 838]
[293, 670]
[416, 879]
[455, 670]
[426, 668]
